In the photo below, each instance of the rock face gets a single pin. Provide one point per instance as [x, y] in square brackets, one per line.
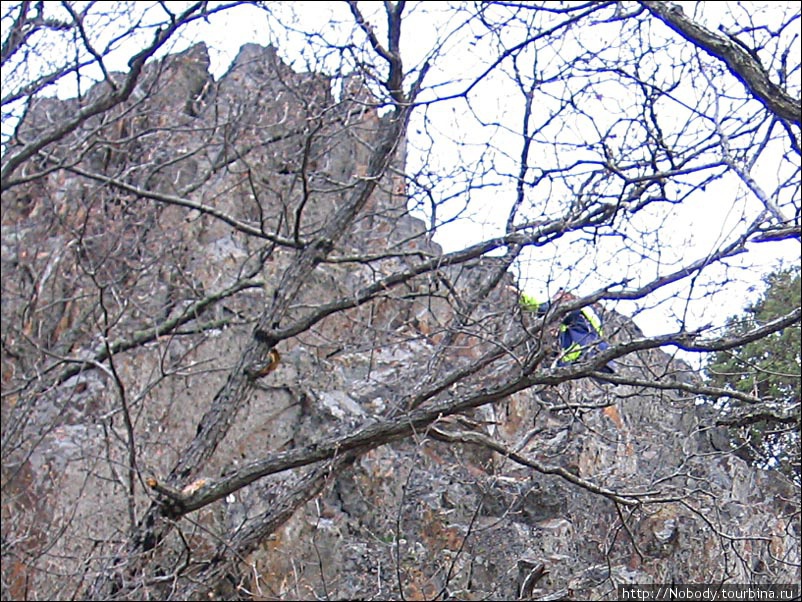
[185, 208]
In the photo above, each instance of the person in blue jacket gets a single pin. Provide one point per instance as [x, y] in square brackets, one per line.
[580, 330]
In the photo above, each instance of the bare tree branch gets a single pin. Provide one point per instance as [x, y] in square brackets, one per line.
[741, 63]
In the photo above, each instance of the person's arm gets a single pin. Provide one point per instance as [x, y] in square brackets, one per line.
[528, 302]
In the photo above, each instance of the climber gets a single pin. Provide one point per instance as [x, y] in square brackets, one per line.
[581, 329]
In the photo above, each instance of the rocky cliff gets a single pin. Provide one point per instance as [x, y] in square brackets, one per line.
[136, 260]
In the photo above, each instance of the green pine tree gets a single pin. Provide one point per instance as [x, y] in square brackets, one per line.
[769, 369]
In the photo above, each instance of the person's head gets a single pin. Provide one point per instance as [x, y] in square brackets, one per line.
[563, 296]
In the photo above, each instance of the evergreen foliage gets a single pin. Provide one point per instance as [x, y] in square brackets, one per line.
[769, 369]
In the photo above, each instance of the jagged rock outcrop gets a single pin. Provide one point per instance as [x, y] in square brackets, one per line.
[623, 483]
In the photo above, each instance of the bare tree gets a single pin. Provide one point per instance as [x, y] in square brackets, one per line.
[246, 315]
